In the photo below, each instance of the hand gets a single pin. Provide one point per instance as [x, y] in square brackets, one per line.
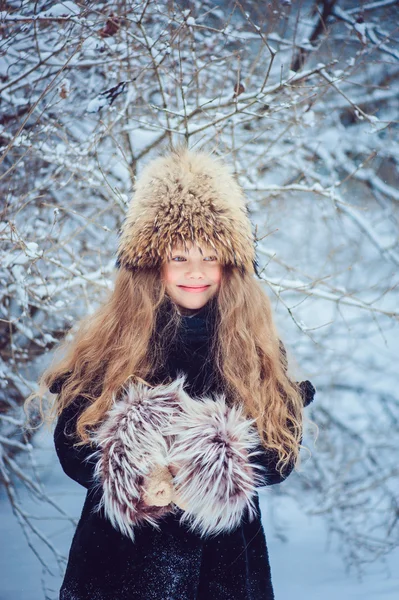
[174, 469]
[158, 488]
[176, 500]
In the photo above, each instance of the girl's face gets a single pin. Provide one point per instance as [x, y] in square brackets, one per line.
[191, 279]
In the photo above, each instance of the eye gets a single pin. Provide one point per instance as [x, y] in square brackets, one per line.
[211, 258]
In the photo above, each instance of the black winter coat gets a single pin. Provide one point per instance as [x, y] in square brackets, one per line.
[172, 562]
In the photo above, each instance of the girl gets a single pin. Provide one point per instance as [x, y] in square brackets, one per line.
[173, 401]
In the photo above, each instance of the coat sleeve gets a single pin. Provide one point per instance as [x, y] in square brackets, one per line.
[75, 461]
[267, 458]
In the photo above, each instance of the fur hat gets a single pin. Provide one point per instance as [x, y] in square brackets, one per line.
[186, 196]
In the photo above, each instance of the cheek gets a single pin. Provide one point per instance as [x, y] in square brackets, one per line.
[217, 276]
[168, 274]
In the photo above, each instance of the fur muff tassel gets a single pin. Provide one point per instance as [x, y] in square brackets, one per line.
[216, 481]
[130, 445]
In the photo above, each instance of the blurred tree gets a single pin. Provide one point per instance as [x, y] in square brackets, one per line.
[302, 97]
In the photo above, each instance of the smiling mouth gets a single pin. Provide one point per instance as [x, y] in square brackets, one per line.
[191, 288]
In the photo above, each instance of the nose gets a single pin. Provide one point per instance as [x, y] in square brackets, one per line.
[195, 274]
[195, 269]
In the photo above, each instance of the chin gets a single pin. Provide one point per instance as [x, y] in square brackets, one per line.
[192, 303]
[198, 304]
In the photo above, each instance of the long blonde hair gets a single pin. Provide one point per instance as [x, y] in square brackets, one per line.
[116, 343]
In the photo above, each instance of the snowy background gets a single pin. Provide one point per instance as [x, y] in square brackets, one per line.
[306, 561]
[302, 99]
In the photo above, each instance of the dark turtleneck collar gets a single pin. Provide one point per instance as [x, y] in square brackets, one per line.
[198, 328]
[191, 331]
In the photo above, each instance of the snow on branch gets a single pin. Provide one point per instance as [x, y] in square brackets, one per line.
[89, 97]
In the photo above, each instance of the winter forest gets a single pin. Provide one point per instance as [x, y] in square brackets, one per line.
[302, 98]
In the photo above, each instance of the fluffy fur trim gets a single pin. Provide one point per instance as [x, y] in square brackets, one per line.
[130, 444]
[186, 196]
[216, 480]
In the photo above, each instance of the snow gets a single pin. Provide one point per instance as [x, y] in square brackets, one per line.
[297, 544]
[96, 104]
[317, 154]
[63, 9]
[314, 565]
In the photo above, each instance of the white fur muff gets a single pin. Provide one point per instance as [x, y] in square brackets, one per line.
[210, 441]
[212, 444]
